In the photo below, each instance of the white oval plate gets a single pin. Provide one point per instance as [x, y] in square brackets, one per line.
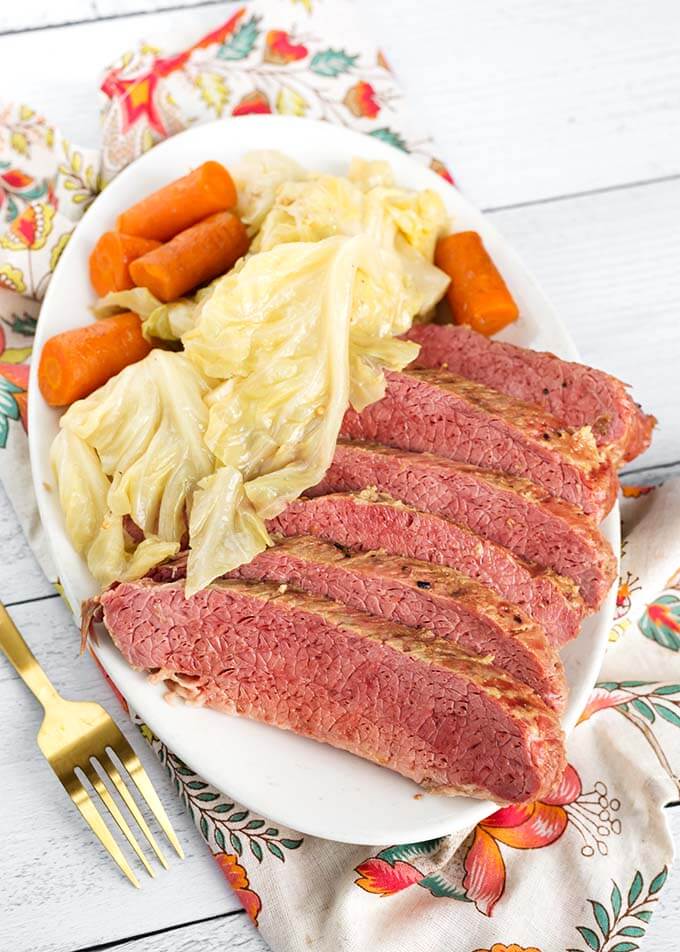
[295, 781]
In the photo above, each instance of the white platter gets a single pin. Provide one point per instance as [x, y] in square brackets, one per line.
[292, 780]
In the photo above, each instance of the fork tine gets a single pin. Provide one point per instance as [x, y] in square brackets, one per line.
[81, 798]
[90, 769]
[126, 797]
[133, 765]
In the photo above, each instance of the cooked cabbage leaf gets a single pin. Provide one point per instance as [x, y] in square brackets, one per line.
[257, 177]
[224, 529]
[139, 300]
[134, 447]
[369, 174]
[212, 442]
[283, 334]
[159, 320]
[82, 487]
[397, 220]
[277, 333]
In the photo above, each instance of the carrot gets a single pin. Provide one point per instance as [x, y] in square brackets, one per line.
[193, 257]
[77, 362]
[478, 295]
[182, 203]
[111, 258]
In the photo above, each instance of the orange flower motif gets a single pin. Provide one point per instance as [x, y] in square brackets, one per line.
[279, 49]
[634, 492]
[138, 95]
[523, 826]
[12, 278]
[601, 699]
[499, 947]
[438, 166]
[29, 230]
[16, 179]
[255, 102]
[237, 878]
[361, 100]
[381, 878]
[383, 62]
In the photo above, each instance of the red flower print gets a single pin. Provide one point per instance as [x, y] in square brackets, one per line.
[384, 879]
[237, 878]
[30, 230]
[255, 102]
[137, 94]
[279, 48]
[16, 179]
[438, 166]
[361, 101]
[519, 826]
[634, 492]
[601, 699]
[383, 62]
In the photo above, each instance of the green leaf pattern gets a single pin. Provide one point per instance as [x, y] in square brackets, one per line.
[622, 924]
[242, 43]
[332, 63]
[661, 622]
[222, 824]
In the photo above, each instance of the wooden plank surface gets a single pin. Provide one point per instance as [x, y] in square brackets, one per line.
[528, 100]
[52, 869]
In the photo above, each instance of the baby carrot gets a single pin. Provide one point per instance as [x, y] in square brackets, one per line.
[182, 203]
[193, 257]
[77, 362]
[478, 295]
[111, 258]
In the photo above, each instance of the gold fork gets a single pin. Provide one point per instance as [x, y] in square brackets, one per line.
[78, 737]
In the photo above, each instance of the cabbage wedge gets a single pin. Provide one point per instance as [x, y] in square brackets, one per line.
[294, 335]
[133, 448]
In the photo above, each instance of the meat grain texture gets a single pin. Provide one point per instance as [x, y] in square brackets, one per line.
[365, 520]
[574, 393]
[405, 699]
[508, 510]
[434, 411]
[415, 594]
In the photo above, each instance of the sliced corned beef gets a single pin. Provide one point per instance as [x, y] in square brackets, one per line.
[506, 509]
[367, 521]
[399, 697]
[437, 412]
[576, 394]
[412, 593]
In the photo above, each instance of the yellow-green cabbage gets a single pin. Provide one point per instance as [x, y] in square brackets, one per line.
[257, 177]
[133, 448]
[216, 440]
[406, 223]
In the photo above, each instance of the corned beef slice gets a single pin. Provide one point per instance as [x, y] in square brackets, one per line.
[419, 595]
[504, 509]
[363, 522]
[576, 394]
[399, 697]
[437, 412]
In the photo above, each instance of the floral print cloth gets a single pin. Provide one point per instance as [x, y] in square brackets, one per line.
[596, 853]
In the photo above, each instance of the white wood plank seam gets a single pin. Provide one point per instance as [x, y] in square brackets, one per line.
[103, 17]
[585, 193]
[138, 937]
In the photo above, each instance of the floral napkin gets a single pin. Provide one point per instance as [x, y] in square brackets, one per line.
[596, 853]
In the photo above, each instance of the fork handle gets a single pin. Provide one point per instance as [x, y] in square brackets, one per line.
[21, 656]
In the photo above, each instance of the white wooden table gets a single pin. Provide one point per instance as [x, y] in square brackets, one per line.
[562, 119]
